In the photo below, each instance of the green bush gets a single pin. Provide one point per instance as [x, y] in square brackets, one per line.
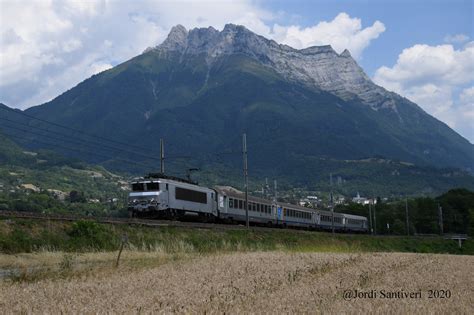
[88, 235]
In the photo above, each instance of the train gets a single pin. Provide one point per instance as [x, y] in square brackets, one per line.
[169, 197]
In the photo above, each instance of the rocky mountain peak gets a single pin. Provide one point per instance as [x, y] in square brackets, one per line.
[176, 39]
[320, 67]
[346, 54]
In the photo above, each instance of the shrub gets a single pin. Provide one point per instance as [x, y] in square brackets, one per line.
[88, 235]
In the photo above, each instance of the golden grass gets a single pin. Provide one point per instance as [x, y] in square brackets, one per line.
[256, 282]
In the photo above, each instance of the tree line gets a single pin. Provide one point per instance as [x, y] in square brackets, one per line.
[456, 207]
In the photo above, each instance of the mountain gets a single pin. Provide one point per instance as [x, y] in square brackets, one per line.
[301, 109]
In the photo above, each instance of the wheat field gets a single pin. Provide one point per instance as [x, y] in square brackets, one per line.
[253, 282]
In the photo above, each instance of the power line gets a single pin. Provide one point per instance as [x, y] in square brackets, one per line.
[77, 141]
[84, 141]
[206, 156]
[81, 151]
[72, 129]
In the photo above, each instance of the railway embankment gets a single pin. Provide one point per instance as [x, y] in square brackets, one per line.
[25, 235]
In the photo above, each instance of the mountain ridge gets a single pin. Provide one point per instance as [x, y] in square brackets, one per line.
[201, 89]
[235, 38]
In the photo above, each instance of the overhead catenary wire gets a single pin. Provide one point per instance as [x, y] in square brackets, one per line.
[78, 150]
[77, 141]
[207, 157]
[72, 129]
[82, 150]
[90, 142]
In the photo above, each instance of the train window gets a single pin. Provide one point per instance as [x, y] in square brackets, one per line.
[153, 186]
[138, 187]
[190, 195]
[241, 204]
[231, 203]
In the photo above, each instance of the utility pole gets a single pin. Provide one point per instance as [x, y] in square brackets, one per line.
[370, 219]
[440, 217]
[331, 202]
[406, 213]
[246, 175]
[162, 156]
[332, 212]
[375, 220]
[275, 201]
[265, 192]
[275, 188]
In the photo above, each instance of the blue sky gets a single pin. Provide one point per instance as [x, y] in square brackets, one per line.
[423, 50]
[407, 22]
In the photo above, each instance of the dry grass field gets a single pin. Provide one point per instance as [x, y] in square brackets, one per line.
[245, 282]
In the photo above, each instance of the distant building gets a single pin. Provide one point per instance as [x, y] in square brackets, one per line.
[363, 201]
[310, 201]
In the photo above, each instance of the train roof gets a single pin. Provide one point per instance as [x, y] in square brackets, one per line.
[152, 176]
[157, 176]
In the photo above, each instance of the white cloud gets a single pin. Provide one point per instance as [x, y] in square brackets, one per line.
[71, 45]
[49, 46]
[343, 32]
[456, 39]
[435, 78]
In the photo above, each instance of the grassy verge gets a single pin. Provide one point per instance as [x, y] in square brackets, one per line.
[26, 236]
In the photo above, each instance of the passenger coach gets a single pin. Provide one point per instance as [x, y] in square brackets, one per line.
[158, 196]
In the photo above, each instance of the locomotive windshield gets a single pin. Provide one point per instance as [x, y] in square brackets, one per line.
[152, 186]
[138, 187]
[149, 186]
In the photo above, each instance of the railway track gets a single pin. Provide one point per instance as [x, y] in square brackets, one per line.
[151, 223]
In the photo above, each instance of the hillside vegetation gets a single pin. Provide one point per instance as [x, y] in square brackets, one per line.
[43, 181]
